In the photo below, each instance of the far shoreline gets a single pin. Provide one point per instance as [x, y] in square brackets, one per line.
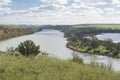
[71, 47]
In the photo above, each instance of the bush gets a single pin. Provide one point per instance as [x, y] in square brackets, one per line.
[77, 59]
[28, 48]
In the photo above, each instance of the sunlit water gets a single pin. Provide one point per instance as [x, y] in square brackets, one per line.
[54, 43]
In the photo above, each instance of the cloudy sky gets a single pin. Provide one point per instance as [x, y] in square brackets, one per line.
[59, 11]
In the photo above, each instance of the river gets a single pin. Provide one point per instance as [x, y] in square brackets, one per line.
[114, 36]
[54, 43]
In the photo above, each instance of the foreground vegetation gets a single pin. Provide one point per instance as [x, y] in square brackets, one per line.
[14, 66]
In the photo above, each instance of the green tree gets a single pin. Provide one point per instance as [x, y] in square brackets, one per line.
[94, 42]
[108, 43]
[117, 49]
[27, 48]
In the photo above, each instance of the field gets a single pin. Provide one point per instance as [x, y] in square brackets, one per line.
[105, 26]
[18, 67]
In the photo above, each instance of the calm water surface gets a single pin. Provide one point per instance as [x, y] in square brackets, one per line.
[54, 43]
[114, 36]
[51, 41]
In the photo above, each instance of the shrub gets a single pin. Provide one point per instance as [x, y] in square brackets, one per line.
[77, 59]
[27, 48]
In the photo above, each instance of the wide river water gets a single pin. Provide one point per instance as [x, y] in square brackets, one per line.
[54, 43]
[114, 36]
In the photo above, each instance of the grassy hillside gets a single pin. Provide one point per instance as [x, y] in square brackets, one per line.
[105, 26]
[17, 67]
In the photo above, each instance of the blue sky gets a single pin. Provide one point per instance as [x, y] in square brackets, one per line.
[59, 11]
[24, 4]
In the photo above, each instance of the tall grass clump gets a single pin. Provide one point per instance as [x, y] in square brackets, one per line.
[76, 58]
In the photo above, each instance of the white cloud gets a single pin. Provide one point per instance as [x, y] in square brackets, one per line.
[5, 2]
[109, 9]
[62, 12]
[92, 1]
[4, 9]
[55, 1]
[116, 1]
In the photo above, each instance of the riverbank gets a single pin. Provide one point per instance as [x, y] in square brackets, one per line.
[7, 31]
[70, 46]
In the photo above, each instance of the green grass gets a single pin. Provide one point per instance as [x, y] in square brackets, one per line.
[106, 26]
[17, 67]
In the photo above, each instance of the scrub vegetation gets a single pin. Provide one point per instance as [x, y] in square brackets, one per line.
[14, 66]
